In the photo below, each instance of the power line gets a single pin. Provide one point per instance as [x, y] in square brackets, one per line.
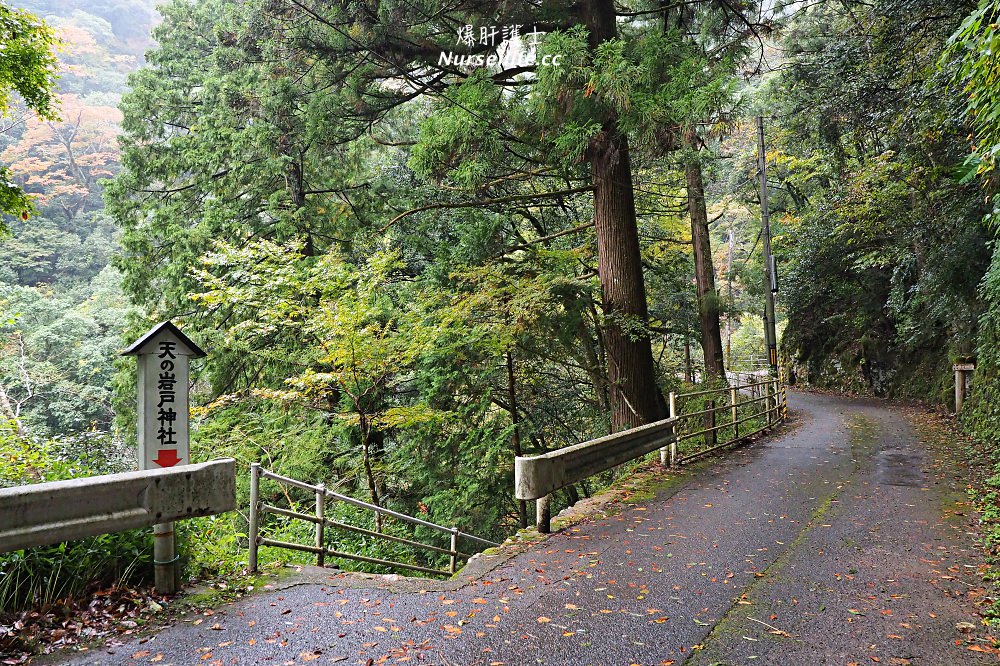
[752, 250]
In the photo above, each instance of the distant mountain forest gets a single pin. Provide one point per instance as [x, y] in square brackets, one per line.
[60, 297]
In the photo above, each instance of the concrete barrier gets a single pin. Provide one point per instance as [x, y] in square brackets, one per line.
[46, 513]
[535, 477]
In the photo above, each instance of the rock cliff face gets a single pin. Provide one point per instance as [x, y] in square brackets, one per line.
[868, 370]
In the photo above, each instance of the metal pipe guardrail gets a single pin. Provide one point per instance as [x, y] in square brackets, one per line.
[537, 477]
[736, 400]
[321, 522]
[56, 511]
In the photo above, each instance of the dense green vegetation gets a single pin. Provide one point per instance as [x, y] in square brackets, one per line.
[971, 50]
[407, 269]
[885, 142]
[885, 238]
[29, 68]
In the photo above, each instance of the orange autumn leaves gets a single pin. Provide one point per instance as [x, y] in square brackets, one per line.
[61, 162]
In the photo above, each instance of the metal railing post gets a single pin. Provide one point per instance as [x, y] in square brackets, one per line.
[543, 516]
[673, 430]
[735, 406]
[254, 520]
[454, 550]
[320, 511]
[665, 455]
[711, 433]
[165, 558]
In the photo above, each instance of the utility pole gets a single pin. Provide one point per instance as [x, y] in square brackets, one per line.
[770, 280]
[729, 280]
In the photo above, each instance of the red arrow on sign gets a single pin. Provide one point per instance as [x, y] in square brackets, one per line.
[166, 458]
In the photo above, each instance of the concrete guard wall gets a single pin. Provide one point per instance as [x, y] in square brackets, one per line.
[537, 476]
[47, 513]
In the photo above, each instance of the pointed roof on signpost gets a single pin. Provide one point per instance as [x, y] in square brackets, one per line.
[149, 336]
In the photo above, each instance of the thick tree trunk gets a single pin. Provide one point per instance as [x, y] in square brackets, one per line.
[630, 357]
[704, 271]
[632, 380]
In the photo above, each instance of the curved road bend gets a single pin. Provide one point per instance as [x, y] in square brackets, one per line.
[837, 542]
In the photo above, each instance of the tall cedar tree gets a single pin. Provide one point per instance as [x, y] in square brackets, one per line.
[619, 82]
[701, 239]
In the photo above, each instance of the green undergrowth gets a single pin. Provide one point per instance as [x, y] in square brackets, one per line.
[39, 578]
[984, 495]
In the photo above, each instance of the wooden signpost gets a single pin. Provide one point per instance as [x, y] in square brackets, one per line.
[963, 377]
[162, 356]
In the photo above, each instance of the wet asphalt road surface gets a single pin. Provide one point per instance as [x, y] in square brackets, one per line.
[840, 541]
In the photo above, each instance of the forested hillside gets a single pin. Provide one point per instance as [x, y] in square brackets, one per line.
[418, 240]
[62, 305]
[884, 233]
[62, 309]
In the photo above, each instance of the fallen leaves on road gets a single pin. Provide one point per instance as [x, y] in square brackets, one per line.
[984, 648]
[104, 612]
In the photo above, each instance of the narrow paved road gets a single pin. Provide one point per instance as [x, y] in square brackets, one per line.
[841, 541]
